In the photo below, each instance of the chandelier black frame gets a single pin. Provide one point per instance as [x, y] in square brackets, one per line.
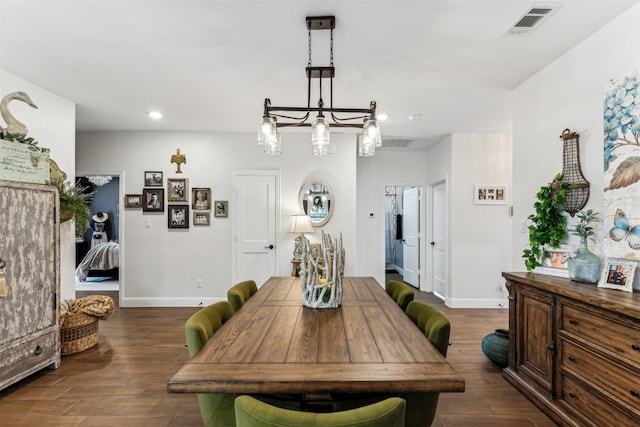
[275, 117]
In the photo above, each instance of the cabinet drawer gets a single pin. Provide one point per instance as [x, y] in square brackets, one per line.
[591, 408]
[15, 360]
[623, 384]
[620, 338]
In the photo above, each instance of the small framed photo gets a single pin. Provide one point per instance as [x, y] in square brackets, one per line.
[554, 261]
[618, 274]
[133, 200]
[201, 198]
[153, 179]
[177, 189]
[490, 195]
[221, 208]
[201, 218]
[178, 216]
[153, 200]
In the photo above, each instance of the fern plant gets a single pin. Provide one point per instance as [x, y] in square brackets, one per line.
[548, 225]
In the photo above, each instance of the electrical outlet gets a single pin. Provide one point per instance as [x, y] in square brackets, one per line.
[523, 226]
[198, 283]
[147, 223]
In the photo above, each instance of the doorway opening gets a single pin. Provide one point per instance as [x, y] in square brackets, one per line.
[98, 248]
[403, 233]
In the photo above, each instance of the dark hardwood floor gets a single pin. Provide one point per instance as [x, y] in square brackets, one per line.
[122, 381]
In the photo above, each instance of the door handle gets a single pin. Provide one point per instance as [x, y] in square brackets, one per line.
[269, 247]
[432, 243]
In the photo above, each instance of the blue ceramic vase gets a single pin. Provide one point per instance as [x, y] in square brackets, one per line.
[496, 347]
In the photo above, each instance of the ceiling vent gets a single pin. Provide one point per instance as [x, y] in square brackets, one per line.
[530, 20]
[396, 142]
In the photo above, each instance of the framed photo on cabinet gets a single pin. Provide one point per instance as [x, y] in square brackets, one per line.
[618, 273]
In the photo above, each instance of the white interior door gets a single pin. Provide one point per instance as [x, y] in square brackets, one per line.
[411, 235]
[439, 242]
[254, 226]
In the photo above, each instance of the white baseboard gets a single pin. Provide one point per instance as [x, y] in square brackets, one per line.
[168, 302]
[476, 303]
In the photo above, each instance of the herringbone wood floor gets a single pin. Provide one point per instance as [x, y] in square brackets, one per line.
[122, 381]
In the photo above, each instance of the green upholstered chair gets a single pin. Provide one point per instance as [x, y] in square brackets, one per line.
[240, 293]
[216, 408]
[401, 293]
[421, 407]
[432, 323]
[251, 412]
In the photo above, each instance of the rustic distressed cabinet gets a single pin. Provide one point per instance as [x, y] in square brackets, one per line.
[29, 307]
[574, 349]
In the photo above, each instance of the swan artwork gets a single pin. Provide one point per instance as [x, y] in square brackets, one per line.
[14, 127]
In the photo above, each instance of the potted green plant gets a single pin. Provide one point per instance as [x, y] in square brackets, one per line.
[73, 203]
[548, 226]
[584, 266]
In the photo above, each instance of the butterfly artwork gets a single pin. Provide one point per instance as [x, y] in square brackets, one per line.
[621, 230]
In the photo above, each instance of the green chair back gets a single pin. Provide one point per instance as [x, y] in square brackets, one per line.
[251, 412]
[240, 293]
[432, 323]
[216, 408]
[401, 293]
[421, 407]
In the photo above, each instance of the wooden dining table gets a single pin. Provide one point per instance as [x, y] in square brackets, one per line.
[273, 344]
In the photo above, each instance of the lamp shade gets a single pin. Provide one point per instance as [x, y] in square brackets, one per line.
[300, 223]
[320, 138]
[267, 131]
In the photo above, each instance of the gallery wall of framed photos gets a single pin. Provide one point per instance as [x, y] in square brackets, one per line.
[183, 205]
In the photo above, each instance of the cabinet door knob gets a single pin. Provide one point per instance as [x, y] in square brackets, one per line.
[573, 321]
[636, 347]
[573, 395]
[37, 351]
[635, 393]
[572, 359]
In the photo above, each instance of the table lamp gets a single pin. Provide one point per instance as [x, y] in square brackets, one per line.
[300, 223]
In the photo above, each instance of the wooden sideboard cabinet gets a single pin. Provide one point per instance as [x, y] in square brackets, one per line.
[574, 349]
[29, 249]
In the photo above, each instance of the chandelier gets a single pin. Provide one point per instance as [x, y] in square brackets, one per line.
[275, 118]
[99, 180]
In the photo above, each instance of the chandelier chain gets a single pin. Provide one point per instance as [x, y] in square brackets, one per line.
[331, 49]
[309, 63]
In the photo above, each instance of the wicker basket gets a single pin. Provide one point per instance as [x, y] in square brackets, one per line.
[78, 332]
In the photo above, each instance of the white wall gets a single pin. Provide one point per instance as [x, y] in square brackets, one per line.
[480, 235]
[567, 94]
[160, 266]
[53, 126]
[385, 168]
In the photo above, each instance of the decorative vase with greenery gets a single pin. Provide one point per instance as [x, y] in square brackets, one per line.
[73, 203]
[549, 224]
[584, 266]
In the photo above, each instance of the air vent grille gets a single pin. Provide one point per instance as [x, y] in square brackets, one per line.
[530, 20]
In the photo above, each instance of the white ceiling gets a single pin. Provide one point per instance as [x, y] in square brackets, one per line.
[208, 65]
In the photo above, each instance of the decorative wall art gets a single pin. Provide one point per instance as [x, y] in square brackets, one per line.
[618, 274]
[201, 218]
[178, 159]
[201, 198]
[133, 200]
[490, 195]
[622, 168]
[178, 216]
[221, 208]
[153, 200]
[177, 189]
[153, 179]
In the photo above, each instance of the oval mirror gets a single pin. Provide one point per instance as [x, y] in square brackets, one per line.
[316, 201]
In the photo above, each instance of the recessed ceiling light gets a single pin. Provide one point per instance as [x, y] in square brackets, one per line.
[382, 116]
[155, 115]
[414, 116]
